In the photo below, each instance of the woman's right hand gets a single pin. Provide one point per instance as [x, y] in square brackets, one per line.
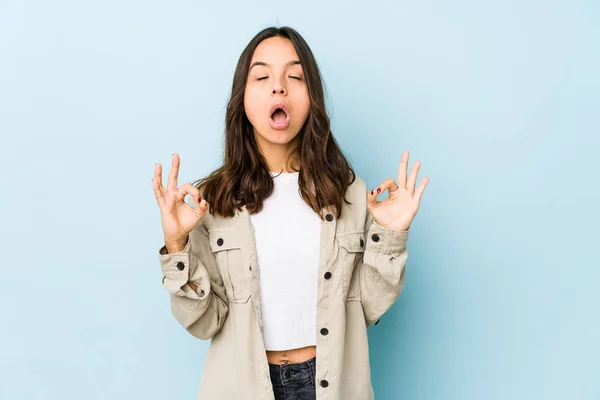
[178, 218]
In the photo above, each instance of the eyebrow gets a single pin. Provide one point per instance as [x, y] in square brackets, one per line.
[264, 64]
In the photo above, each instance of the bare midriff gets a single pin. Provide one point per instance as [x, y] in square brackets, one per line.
[292, 356]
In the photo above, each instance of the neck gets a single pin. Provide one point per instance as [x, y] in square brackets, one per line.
[278, 155]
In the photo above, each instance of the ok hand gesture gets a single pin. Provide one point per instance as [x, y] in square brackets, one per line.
[398, 210]
[178, 218]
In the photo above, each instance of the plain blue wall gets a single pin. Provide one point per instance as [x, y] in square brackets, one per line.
[498, 99]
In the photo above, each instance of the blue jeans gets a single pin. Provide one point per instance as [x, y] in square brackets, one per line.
[294, 381]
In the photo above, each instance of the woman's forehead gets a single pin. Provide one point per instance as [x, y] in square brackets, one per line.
[275, 51]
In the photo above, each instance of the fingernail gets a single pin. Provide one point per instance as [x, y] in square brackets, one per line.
[378, 190]
[371, 193]
[199, 200]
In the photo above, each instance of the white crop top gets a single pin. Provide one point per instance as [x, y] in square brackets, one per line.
[287, 233]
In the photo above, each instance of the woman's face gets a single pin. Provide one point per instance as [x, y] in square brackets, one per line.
[276, 97]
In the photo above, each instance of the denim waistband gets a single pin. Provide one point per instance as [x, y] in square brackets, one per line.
[288, 373]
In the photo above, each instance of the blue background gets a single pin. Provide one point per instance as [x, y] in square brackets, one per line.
[498, 99]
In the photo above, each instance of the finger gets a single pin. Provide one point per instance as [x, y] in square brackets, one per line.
[202, 208]
[188, 188]
[158, 175]
[421, 188]
[412, 179]
[174, 173]
[156, 183]
[388, 184]
[160, 198]
[372, 199]
[402, 169]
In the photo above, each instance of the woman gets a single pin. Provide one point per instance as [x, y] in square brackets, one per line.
[296, 258]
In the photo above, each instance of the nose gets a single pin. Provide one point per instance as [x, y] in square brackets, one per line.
[279, 89]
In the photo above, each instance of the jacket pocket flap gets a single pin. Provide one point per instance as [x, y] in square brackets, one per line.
[353, 242]
[224, 239]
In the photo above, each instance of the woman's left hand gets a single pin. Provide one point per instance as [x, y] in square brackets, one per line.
[398, 210]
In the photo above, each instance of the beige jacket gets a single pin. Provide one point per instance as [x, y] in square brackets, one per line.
[362, 268]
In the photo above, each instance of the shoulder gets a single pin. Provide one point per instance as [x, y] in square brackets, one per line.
[211, 221]
[354, 214]
[357, 190]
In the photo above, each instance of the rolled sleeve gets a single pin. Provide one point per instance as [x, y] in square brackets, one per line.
[383, 270]
[386, 241]
[178, 269]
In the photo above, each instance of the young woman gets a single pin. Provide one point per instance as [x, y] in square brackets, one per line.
[282, 256]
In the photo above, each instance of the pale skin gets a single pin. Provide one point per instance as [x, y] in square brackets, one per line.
[275, 81]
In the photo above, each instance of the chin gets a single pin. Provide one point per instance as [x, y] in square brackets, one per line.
[281, 136]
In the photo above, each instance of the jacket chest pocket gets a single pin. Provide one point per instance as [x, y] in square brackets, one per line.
[225, 245]
[350, 253]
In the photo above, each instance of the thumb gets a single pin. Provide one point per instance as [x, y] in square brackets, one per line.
[372, 199]
[196, 202]
[202, 207]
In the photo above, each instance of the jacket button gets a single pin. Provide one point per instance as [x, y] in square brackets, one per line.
[180, 266]
[220, 242]
[324, 331]
[329, 217]
[362, 243]
[375, 237]
[324, 383]
[377, 322]
[327, 275]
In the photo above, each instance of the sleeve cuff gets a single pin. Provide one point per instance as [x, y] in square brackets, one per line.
[386, 241]
[176, 272]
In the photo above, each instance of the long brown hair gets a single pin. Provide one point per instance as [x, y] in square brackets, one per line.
[245, 179]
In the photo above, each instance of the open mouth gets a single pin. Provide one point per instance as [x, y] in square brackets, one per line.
[280, 117]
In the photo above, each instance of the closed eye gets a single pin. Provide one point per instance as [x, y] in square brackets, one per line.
[293, 77]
